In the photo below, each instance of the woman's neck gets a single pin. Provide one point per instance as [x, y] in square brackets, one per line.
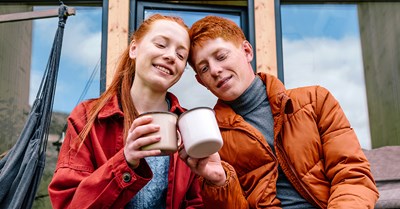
[146, 100]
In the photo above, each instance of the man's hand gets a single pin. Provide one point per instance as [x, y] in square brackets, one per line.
[210, 168]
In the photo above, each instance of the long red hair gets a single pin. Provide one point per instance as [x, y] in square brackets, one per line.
[123, 79]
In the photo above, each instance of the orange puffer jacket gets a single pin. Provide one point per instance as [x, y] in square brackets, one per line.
[315, 146]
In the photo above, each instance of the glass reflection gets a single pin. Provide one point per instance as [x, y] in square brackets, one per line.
[321, 46]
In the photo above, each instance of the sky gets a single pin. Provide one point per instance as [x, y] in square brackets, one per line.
[321, 46]
[80, 56]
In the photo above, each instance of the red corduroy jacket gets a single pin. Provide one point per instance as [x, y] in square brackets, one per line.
[98, 176]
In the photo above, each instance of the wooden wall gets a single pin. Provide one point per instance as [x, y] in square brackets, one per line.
[380, 32]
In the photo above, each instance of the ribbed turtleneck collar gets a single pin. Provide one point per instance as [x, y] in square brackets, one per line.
[250, 99]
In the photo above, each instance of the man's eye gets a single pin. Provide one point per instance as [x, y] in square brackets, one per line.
[203, 69]
[221, 57]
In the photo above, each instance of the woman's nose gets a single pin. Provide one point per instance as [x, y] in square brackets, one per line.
[170, 55]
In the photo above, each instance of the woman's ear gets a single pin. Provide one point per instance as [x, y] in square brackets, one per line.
[132, 50]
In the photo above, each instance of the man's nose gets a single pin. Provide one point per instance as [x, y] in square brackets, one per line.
[215, 69]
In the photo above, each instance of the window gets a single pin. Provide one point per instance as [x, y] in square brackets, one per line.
[321, 45]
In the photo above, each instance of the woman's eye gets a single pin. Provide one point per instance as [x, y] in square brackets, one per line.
[180, 56]
[160, 45]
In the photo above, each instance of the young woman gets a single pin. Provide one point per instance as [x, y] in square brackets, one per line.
[101, 164]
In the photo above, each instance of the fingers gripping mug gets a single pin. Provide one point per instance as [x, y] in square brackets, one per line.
[199, 131]
[168, 132]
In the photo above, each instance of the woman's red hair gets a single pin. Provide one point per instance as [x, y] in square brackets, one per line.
[123, 79]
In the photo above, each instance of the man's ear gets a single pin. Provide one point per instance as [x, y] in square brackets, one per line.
[248, 50]
[199, 80]
[132, 50]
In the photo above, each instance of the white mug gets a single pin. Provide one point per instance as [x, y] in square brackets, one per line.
[199, 131]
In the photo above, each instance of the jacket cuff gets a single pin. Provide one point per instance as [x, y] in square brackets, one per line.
[229, 172]
[126, 176]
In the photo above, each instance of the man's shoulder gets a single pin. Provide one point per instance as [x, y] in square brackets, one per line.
[304, 95]
[304, 90]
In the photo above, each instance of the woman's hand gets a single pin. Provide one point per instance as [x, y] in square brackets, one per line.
[210, 168]
[136, 139]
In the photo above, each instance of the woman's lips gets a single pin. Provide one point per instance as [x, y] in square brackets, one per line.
[163, 69]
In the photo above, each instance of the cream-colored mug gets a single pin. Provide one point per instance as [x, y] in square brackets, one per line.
[199, 131]
[168, 132]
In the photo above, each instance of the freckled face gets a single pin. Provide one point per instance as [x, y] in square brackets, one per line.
[161, 55]
[224, 68]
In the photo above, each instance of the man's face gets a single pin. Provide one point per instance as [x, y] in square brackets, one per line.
[223, 67]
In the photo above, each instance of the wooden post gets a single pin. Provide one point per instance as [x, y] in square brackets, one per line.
[264, 15]
[118, 29]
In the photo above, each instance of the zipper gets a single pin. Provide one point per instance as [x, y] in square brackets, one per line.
[296, 182]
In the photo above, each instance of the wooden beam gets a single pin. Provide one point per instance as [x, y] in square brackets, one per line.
[34, 15]
[117, 37]
[264, 15]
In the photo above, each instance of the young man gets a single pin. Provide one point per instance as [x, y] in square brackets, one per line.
[282, 148]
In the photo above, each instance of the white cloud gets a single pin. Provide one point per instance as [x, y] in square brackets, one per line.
[336, 65]
[81, 44]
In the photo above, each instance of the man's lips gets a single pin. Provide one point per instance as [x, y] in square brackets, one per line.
[223, 81]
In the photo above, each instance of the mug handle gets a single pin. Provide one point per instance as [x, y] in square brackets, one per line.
[179, 138]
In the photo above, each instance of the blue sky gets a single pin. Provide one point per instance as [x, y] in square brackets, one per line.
[320, 46]
[79, 56]
[323, 20]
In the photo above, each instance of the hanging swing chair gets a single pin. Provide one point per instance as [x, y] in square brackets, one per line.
[22, 167]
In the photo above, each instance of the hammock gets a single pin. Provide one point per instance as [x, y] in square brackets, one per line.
[22, 167]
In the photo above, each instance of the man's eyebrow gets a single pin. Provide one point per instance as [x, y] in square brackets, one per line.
[213, 53]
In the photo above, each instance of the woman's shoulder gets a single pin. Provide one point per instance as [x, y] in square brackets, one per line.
[82, 109]
[84, 105]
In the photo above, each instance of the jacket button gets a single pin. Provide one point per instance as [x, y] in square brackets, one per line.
[126, 177]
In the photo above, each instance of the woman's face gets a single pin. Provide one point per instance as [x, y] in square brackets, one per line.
[161, 55]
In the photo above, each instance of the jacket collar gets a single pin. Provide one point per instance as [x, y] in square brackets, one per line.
[280, 103]
[112, 107]
[276, 92]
